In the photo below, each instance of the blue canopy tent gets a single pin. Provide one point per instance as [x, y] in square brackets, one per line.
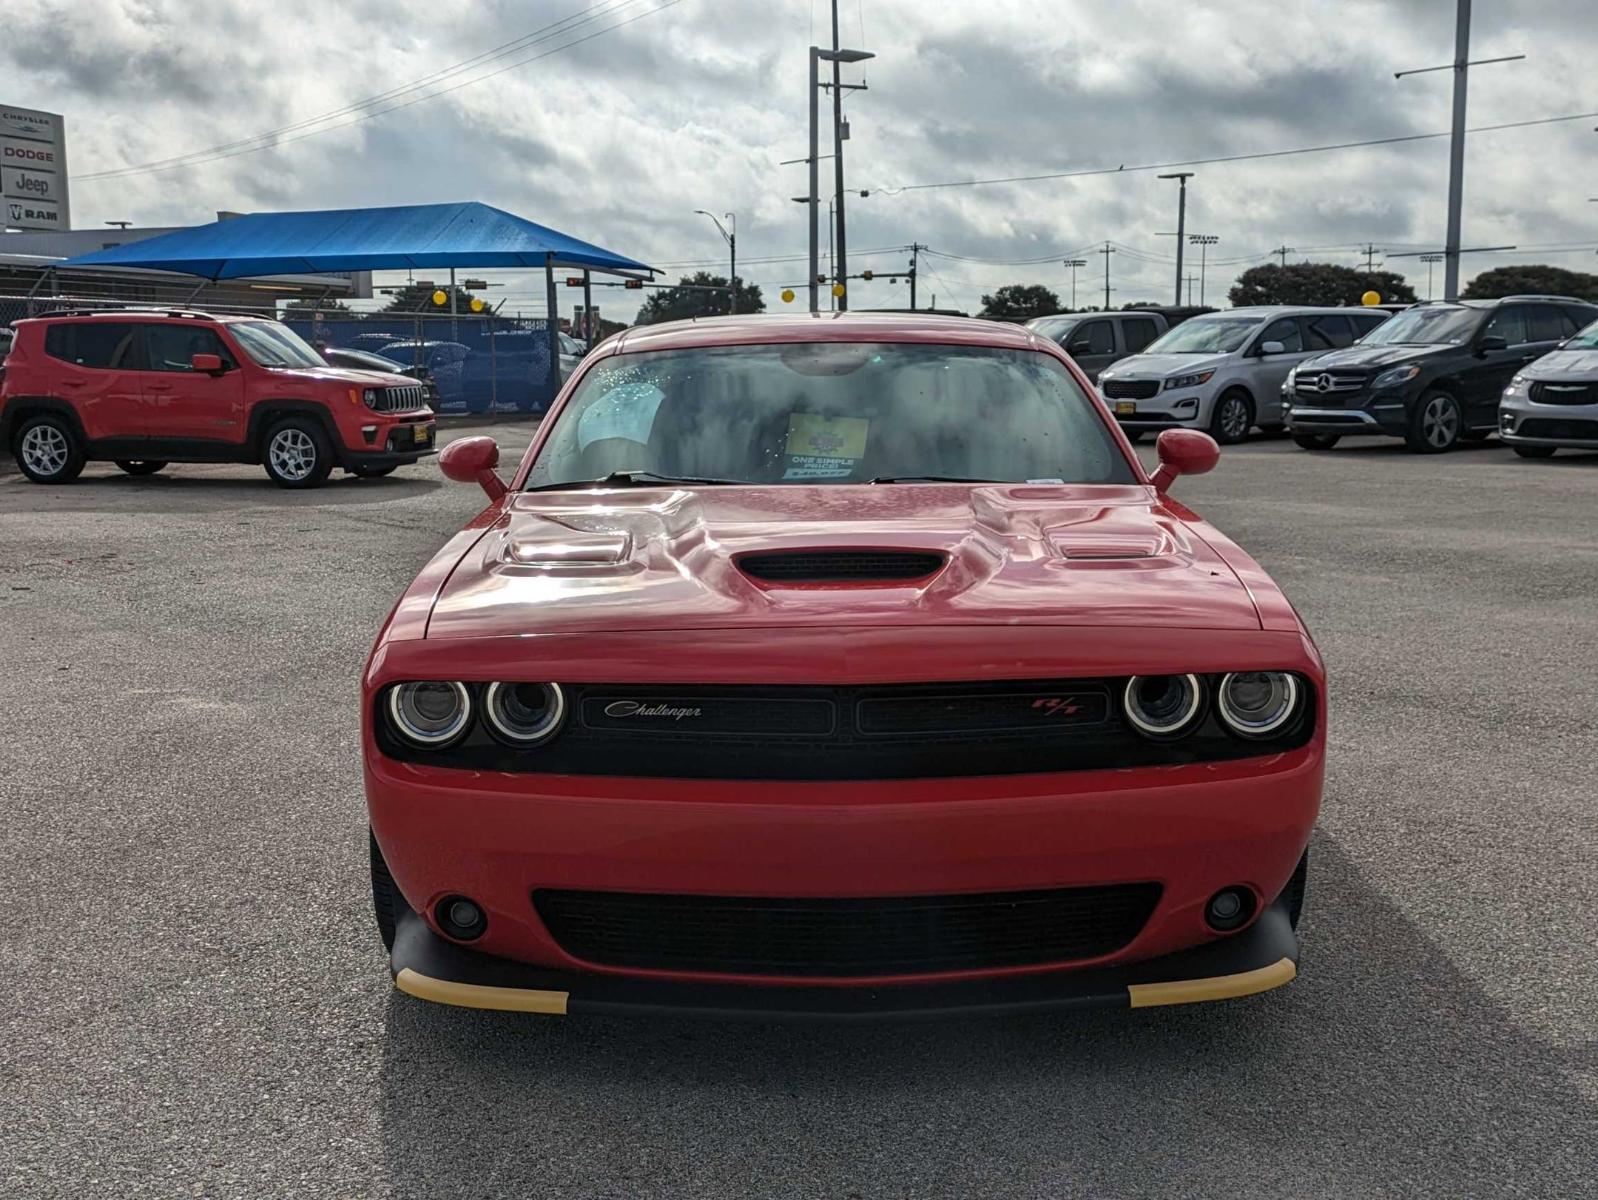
[368, 239]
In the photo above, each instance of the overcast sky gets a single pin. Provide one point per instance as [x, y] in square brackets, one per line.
[617, 139]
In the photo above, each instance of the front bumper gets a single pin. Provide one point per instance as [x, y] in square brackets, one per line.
[1160, 412]
[1263, 956]
[1522, 423]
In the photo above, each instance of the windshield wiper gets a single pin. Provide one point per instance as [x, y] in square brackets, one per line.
[637, 479]
[930, 479]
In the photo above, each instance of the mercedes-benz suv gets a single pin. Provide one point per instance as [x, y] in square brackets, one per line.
[1432, 375]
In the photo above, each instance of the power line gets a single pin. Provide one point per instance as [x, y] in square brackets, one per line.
[1229, 158]
[198, 158]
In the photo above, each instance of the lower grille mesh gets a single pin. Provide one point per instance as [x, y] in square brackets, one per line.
[900, 935]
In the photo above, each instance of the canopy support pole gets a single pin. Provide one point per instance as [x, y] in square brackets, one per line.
[552, 307]
[590, 326]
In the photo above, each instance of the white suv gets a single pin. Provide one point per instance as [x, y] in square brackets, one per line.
[1223, 371]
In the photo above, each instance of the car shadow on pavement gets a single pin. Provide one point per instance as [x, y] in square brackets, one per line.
[1381, 1071]
[155, 493]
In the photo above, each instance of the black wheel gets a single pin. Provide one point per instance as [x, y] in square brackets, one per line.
[1293, 893]
[1315, 441]
[1435, 425]
[48, 449]
[371, 472]
[297, 454]
[140, 466]
[1535, 451]
[1232, 418]
[385, 896]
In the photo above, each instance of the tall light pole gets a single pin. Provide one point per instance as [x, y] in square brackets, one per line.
[1074, 263]
[732, 248]
[1181, 178]
[1430, 260]
[1456, 144]
[1203, 241]
[836, 57]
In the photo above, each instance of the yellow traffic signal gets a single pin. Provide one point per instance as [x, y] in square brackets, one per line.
[787, 295]
[440, 299]
[837, 290]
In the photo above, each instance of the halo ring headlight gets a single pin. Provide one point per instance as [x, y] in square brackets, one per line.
[1256, 704]
[1162, 706]
[525, 713]
[431, 713]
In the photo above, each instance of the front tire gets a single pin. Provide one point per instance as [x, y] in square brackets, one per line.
[1535, 451]
[297, 454]
[48, 450]
[1232, 418]
[140, 466]
[1435, 425]
[1315, 441]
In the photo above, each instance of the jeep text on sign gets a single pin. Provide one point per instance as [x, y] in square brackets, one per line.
[28, 185]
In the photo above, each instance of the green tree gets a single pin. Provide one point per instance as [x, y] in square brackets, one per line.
[1019, 302]
[1531, 280]
[1328, 284]
[692, 297]
[418, 297]
[296, 307]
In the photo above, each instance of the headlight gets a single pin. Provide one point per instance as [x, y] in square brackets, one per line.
[1393, 378]
[1257, 703]
[1516, 386]
[370, 395]
[1182, 381]
[525, 713]
[429, 714]
[1162, 706]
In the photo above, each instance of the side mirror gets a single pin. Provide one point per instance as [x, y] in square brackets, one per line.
[211, 364]
[472, 460]
[1183, 452]
[1272, 348]
[1492, 342]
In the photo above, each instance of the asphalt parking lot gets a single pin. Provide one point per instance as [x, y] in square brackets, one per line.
[195, 999]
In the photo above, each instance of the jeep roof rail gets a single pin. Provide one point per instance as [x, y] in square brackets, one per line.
[192, 313]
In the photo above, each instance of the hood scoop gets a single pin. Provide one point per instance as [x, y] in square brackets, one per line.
[867, 566]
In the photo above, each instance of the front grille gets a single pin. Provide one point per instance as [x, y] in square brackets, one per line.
[865, 731]
[839, 566]
[1307, 385]
[1544, 392]
[1130, 389]
[1544, 427]
[901, 935]
[400, 399]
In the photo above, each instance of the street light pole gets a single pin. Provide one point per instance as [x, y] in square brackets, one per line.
[1181, 178]
[732, 245]
[1203, 241]
[815, 179]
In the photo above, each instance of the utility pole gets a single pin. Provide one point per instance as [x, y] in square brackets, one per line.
[1074, 263]
[815, 180]
[1284, 251]
[1191, 279]
[836, 57]
[1456, 144]
[1107, 251]
[915, 255]
[1370, 253]
[1181, 178]
[1203, 241]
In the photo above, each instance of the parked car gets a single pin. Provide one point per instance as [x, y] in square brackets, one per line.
[362, 360]
[1432, 375]
[828, 675]
[144, 389]
[1095, 340]
[1223, 371]
[1553, 402]
[446, 362]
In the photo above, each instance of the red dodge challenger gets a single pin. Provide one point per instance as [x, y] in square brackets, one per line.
[843, 667]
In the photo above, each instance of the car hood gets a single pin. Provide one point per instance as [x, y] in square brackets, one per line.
[1159, 366]
[668, 559]
[1371, 357]
[1565, 364]
[344, 375]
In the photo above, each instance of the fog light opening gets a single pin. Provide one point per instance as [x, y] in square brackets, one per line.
[460, 917]
[1230, 908]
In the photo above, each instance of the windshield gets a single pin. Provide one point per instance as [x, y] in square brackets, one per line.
[831, 412]
[1587, 339]
[272, 345]
[1432, 326]
[1205, 335]
[1054, 328]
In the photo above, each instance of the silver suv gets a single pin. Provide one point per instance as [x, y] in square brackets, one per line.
[1223, 372]
[1554, 401]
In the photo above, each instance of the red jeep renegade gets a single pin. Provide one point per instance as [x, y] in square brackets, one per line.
[142, 389]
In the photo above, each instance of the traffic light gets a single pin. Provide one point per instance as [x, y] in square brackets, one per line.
[475, 285]
[866, 275]
[574, 281]
[635, 284]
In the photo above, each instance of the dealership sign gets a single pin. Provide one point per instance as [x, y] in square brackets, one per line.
[33, 170]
